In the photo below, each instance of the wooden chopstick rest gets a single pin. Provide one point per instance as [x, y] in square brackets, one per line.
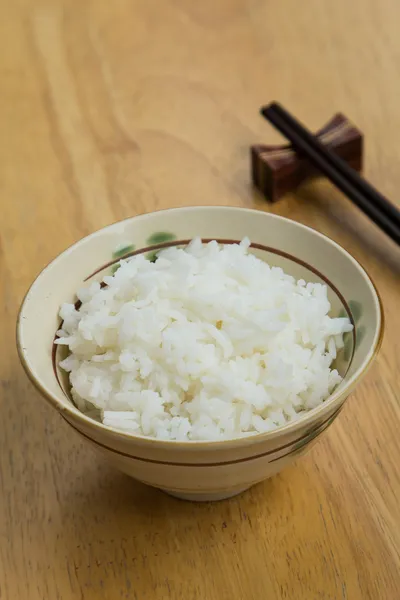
[277, 170]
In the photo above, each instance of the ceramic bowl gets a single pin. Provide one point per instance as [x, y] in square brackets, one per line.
[201, 470]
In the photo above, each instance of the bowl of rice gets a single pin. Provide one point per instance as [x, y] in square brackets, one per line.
[200, 350]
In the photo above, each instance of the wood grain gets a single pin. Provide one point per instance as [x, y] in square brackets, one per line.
[111, 109]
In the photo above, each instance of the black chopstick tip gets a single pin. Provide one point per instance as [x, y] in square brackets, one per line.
[268, 108]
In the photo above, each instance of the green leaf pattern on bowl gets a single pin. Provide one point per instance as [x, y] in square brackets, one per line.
[122, 250]
[356, 311]
[152, 256]
[159, 237]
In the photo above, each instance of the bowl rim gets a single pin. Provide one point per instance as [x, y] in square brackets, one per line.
[67, 409]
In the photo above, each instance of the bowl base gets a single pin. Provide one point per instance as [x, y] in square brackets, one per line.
[205, 497]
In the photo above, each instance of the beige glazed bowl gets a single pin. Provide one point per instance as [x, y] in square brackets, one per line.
[201, 470]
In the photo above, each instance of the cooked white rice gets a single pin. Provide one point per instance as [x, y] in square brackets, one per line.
[207, 343]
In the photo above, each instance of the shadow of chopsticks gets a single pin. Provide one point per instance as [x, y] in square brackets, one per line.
[352, 221]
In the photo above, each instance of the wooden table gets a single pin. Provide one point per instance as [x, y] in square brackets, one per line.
[111, 109]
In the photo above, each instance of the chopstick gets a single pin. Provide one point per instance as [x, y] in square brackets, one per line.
[363, 194]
